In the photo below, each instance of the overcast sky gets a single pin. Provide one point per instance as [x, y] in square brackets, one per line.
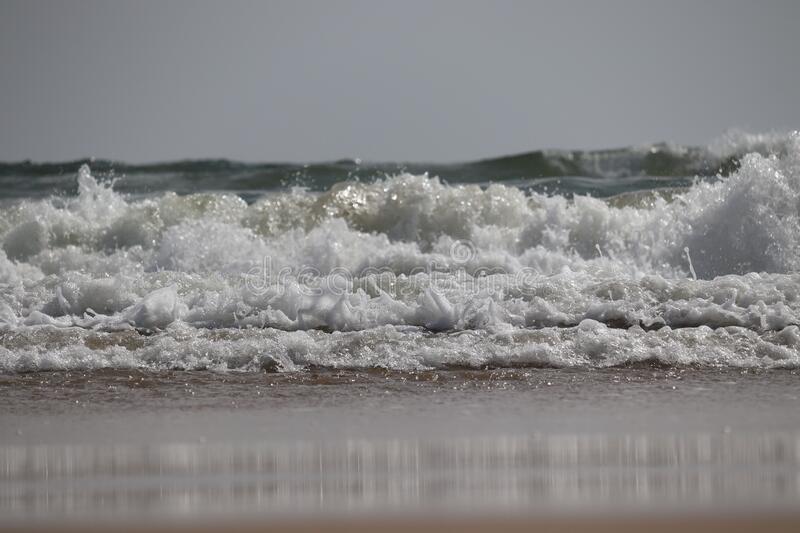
[425, 81]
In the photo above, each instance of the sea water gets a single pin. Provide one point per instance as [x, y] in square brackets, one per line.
[409, 271]
[554, 327]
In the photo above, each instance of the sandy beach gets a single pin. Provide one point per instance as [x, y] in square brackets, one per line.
[512, 449]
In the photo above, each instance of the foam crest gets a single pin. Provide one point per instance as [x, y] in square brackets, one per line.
[590, 344]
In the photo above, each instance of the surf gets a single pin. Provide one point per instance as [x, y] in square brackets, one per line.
[408, 271]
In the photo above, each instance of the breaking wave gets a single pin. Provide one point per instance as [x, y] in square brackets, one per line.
[410, 271]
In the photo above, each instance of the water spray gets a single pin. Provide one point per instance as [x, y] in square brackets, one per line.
[691, 267]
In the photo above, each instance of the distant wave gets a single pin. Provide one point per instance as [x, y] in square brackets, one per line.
[599, 173]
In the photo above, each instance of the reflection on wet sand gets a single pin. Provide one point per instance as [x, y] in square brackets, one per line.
[493, 474]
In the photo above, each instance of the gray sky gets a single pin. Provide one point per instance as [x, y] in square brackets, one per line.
[404, 80]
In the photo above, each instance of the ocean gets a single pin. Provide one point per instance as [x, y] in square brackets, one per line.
[551, 329]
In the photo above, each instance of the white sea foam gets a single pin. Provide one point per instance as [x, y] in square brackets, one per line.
[406, 272]
[735, 142]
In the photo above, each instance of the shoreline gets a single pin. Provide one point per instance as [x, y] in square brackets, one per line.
[343, 445]
[602, 523]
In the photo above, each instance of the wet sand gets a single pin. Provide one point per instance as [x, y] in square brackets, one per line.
[499, 449]
[788, 523]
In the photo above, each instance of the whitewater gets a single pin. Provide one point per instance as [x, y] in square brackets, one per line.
[412, 271]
